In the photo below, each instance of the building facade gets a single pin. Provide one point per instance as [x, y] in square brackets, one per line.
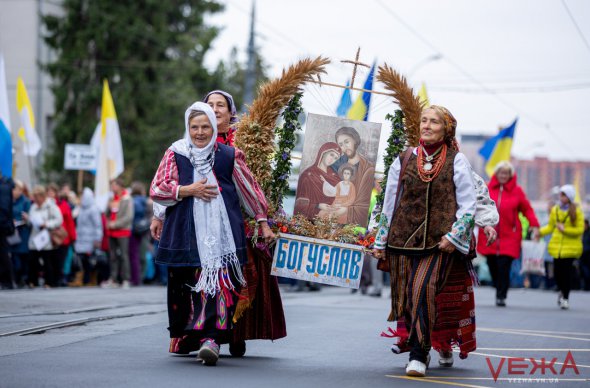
[23, 49]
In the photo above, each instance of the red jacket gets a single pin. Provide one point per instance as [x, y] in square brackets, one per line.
[510, 200]
[68, 222]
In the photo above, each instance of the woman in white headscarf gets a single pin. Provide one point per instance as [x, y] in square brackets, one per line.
[203, 240]
[88, 231]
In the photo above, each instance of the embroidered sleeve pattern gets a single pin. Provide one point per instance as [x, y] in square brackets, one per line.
[486, 213]
[251, 195]
[388, 205]
[164, 187]
[460, 234]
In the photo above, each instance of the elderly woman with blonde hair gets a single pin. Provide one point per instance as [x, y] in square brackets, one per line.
[510, 200]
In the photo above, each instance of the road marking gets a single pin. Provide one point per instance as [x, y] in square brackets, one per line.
[431, 380]
[540, 331]
[510, 331]
[501, 356]
[533, 350]
[441, 380]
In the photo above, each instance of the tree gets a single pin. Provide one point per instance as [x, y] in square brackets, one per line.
[151, 52]
[232, 74]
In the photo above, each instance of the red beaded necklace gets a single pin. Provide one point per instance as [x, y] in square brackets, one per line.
[430, 166]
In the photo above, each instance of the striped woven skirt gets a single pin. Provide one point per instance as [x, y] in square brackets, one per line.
[432, 297]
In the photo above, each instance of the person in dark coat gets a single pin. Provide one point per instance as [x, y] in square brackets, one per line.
[6, 229]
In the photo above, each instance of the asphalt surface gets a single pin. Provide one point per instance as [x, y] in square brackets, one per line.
[91, 337]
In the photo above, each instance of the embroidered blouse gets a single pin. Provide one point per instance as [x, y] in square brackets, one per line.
[460, 233]
[165, 187]
[486, 213]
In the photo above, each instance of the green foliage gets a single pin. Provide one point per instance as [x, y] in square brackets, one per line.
[152, 54]
[232, 74]
[395, 145]
[282, 157]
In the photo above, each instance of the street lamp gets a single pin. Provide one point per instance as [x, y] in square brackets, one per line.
[423, 62]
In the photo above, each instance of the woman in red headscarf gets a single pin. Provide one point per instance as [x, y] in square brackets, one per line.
[311, 197]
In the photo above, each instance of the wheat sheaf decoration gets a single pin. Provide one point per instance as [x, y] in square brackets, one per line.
[255, 134]
[409, 103]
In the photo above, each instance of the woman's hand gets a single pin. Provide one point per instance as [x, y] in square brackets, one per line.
[322, 178]
[199, 190]
[560, 226]
[324, 206]
[491, 234]
[266, 232]
[379, 254]
[156, 228]
[445, 245]
[535, 233]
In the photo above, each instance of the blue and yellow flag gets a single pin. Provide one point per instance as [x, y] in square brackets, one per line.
[497, 149]
[345, 102]
[5, 137]
[360, 108]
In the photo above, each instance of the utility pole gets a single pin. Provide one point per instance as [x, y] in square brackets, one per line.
[250, 79]
[39, 94]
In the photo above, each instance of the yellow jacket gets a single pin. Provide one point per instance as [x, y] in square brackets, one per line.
[566, 244]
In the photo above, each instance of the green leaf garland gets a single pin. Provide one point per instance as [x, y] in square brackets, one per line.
[282, 156]
[395, 145]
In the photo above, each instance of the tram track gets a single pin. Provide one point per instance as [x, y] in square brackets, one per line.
[42, 328]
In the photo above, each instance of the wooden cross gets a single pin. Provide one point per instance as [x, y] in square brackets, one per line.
[355, 64]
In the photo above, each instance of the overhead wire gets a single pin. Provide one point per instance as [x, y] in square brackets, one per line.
[469, 76]
[571, 16]
[516, 89]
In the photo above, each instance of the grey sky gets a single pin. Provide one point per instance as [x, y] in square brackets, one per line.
[500, 59]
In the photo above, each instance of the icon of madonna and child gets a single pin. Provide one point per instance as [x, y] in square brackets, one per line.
[337, 178]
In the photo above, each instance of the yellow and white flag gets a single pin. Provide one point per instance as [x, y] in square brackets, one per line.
[107, 141]
[27, 133]
[423, 95]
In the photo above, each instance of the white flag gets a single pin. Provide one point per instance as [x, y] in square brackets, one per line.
[107, 141]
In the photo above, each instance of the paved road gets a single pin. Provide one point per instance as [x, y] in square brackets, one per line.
[119, 339]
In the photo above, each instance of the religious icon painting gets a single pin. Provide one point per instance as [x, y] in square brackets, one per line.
[337, 169]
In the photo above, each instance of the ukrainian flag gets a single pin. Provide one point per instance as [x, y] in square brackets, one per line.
[360, 109]
[5, 138]
[345, 102]
[497, 149]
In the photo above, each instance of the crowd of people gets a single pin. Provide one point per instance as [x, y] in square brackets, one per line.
[218, 280]
[59, 239]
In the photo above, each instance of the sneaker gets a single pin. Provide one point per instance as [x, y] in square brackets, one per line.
[125, 285]
[109, 284]
[559, 298]
[501, 302]
[416, 368]
[237, 349]
[427, 360]
[209, 352]
[564, 304]
[446, 358]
